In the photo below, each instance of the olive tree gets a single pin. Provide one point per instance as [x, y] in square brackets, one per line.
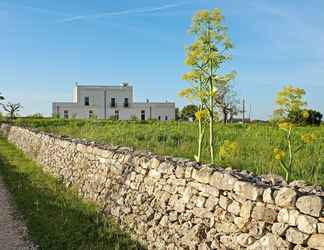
[12, 109]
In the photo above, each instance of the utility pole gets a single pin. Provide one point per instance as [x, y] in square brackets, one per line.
[250, 112]
[243, 111]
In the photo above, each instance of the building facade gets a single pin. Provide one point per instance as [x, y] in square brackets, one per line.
[105, 102]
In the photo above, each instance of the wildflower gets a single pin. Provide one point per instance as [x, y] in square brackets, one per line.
[185, 92]
[285, 126]
[279, 154]
[216, 15]
[308, 138]
[190, 60]
[201, 114]
[305, 114]
[229, 148]
[203, 14]
[211, 93]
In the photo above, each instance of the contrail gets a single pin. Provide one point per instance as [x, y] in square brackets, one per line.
[37, 9]
[123, 12]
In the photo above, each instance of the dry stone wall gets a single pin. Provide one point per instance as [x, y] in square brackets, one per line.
[170, 203]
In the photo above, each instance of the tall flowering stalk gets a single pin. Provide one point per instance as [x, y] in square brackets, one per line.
[205, 57]
[286, 157]
[289, 99]
[195, 94]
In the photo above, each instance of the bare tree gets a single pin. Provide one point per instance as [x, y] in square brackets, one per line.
[226, 102]
[12, 109]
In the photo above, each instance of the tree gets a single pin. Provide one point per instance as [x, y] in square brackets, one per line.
[177, 114]
[205, 56]
[188, 112]
[305, 117]
[12, 109]
[289, 99]
[227, 103]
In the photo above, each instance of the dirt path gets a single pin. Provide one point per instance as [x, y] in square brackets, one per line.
[12, 231]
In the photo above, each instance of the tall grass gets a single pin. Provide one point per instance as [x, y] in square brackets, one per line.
[256, 142]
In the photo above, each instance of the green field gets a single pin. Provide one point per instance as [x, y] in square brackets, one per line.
[256, 142]
[55, 216]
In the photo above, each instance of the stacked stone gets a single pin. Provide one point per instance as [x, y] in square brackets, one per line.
[170, 203]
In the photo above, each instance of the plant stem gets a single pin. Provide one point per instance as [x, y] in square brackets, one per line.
[290, 155]
[211, 125]
[200, 139]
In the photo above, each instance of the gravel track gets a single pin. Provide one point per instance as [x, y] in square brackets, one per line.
[12, 231]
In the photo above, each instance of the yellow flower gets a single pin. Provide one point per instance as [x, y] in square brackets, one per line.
[201, 114]
[185, 92]
[190, 60]
[216, 15]
[228, 149]
[308, 138]
[285, 125]
[203, 14]
[305, 114]
[279, 154]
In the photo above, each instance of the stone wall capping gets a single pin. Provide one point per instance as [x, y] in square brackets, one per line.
[175, 203]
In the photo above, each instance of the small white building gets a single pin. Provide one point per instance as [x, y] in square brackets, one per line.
[105, 102]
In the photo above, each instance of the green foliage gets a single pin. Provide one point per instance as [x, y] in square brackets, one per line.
[56, 218]
[286, 155]
[134, 118]
[255, 141]
[177, 114]
[188, 112]
[289, 99]
[36, 115]
[305, 117]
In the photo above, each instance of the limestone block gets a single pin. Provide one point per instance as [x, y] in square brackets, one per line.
[202, 175]
[307, 224]
[279, 228]
[247, 190]
[222, 181]
[316, 241]
[264, 214]
[310, 204]
[295, 236]
[286, 197]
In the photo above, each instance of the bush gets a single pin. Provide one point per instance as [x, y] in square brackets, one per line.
[305, 117]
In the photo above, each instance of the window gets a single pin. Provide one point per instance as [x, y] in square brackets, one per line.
[87, 101]
[117, 114]
[166, 117]
[159, 118]
[66, 114]
[126, 103]
[91, 114]
[143, 115]
[113, 102]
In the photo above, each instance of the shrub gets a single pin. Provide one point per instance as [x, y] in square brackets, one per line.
[305, 117]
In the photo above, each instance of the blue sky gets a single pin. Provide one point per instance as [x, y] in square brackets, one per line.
[46, 46]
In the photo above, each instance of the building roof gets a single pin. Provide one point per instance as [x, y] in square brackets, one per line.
[122, 85]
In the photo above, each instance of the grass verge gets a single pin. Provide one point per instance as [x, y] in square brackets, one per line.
[256, 142]
[55, 216]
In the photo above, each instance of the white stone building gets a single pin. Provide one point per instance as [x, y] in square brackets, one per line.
[105, 102]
